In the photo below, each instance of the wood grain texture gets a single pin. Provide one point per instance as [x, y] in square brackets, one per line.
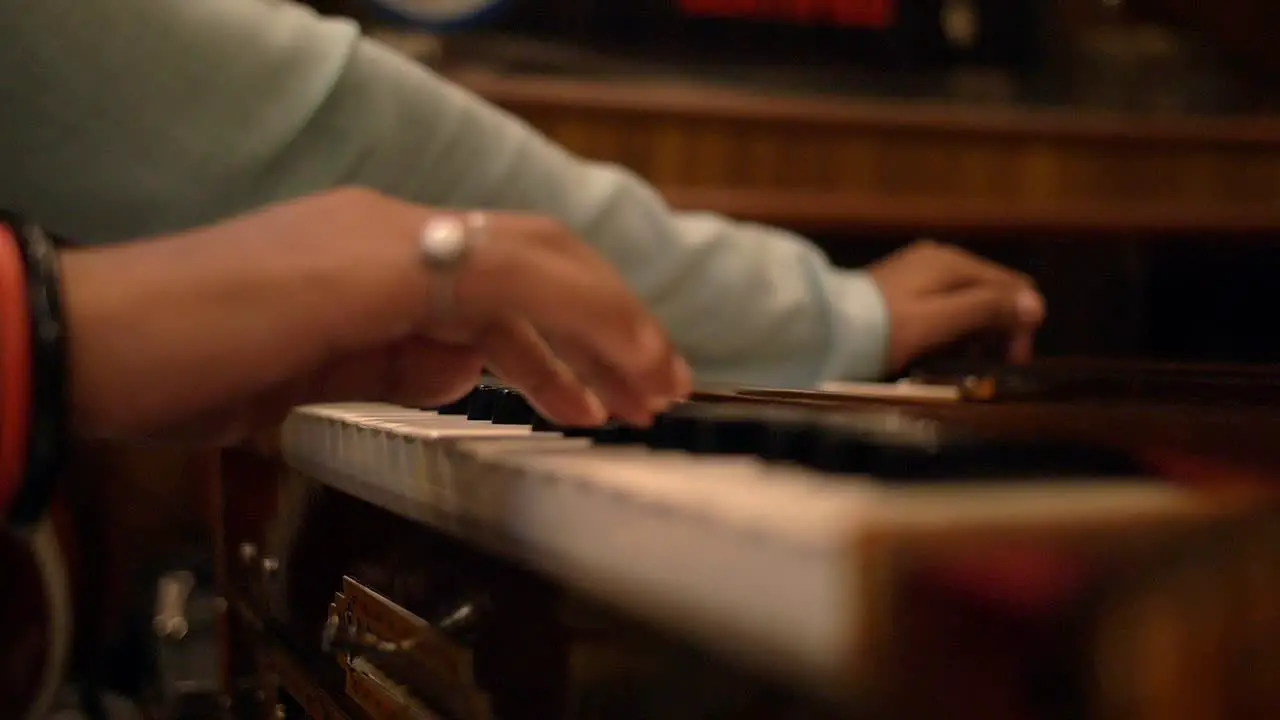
[825, 163]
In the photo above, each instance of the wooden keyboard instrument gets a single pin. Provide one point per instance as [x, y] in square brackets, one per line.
[1008, 555]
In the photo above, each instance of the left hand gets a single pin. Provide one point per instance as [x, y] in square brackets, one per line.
[937, 294]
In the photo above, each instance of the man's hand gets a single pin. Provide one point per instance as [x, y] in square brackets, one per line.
[938, 294]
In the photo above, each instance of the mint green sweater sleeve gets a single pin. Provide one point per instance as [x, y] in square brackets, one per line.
[120, 118]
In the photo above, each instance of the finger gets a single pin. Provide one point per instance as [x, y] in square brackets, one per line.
[584, 303]
[947, 267]
[514, 351]
[618, 335]
[1022, 347]
[952, 316]
[429, 374]
[624, 402]
[674, 381]
[1030, 309]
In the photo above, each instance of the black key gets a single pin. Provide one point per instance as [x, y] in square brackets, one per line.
[587, 432]
[707, 429]
[900, 448]
[459, 406]
[740, 434]
[619, 434]
[791, 435]
[773, 433]
[512, 408]
[541, 424]
[484, 402]
[610, 431]
[675, 429]
[837, 449]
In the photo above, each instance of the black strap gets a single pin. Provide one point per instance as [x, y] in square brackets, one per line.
[47, 440]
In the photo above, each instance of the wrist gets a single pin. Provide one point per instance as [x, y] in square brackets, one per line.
[174, 328]
[861, 318]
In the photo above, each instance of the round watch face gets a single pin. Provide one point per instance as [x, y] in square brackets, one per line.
[443, 241]
[439, 14]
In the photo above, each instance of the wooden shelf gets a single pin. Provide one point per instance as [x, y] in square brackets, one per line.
[672, 97]
[850, 213]
[836, 164]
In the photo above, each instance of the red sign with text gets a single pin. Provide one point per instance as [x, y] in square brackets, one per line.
[871, 14]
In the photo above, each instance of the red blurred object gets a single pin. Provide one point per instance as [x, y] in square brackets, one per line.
[1236, 475]
[867, 14]
[1027, 583]
[1033, 582]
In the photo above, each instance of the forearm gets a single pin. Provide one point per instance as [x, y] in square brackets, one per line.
[744, 302]
[169, 328]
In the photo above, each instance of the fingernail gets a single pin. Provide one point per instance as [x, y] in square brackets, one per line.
[1030, 307]
[599, 414]
[684, 379]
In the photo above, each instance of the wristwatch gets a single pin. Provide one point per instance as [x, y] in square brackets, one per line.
[445, 241]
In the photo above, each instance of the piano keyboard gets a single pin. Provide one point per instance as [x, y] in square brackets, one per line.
[759, 537]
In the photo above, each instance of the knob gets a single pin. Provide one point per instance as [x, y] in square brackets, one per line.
[463, 622]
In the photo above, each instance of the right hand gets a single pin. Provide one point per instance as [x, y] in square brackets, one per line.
[327, 298]
[938, 294]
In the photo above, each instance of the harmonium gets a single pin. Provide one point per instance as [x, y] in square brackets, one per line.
[1064, 540]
